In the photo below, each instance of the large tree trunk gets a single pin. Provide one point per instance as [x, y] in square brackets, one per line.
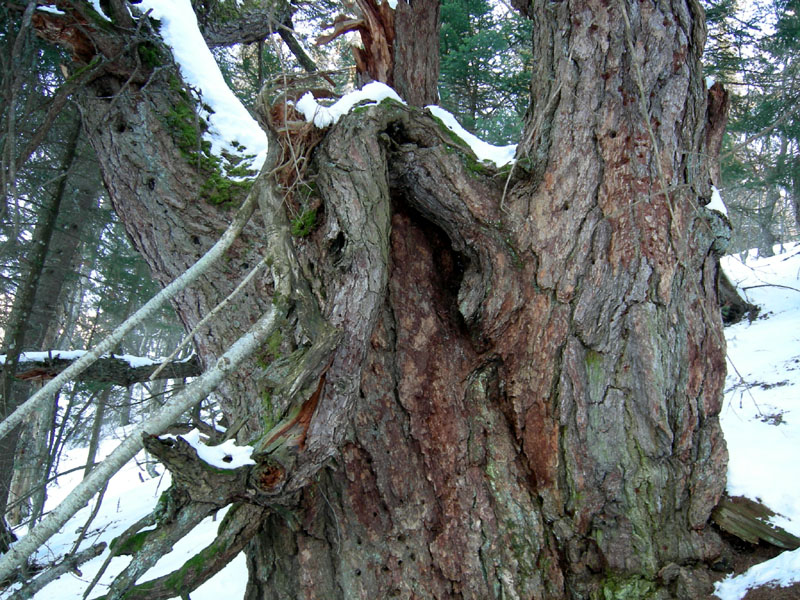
[523, 401]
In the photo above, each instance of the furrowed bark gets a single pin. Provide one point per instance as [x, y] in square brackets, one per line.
[571, 344]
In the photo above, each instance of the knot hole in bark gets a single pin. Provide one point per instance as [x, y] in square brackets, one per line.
[425, 253]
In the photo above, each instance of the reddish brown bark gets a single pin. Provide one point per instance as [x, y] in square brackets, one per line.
[400, 46]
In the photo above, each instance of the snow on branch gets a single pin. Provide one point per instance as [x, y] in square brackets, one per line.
[375, 92]
[231, 125]
[716, 202]
[323, 116]
[499, 155]
[119, 369]
[227, 455]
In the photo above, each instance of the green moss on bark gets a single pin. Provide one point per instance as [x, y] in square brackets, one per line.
[626, 587]
[227, 179]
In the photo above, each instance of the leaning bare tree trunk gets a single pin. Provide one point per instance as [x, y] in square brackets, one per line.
[523, 399]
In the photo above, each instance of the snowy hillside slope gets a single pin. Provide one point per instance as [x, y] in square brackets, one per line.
[761, 414]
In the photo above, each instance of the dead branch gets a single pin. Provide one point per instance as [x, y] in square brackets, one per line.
[70, 562]
[108, 370]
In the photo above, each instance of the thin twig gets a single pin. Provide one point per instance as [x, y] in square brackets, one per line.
[70, 562]
[777, 285]
[189, 336]
[91, 518]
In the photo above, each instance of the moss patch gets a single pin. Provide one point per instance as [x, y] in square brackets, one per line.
[150, 54]
[631, 587]
[131, 545]
[227, 178]
[304, 223]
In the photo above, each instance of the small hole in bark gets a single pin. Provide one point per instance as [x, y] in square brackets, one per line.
[398, 133]
[151, 184]
[195, 240]
[358, 541]
[358, 572]
[336, 246]
[401, 538]
[612, 134]
[412, 556]
[385, 569]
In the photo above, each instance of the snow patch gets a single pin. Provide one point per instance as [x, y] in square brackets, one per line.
[50, 9]
[230, 122]
[226, 455]
[781, 571]
[323, 116]
[499, 155]
[759, 417]
[716, 202]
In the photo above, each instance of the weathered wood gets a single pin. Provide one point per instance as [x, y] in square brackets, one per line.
[734, 308]
[750, 521]
[108, 370]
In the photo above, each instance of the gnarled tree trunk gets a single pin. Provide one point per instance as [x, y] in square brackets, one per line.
[523, 399]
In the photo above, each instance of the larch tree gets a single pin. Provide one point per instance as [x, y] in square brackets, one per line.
[488, 383]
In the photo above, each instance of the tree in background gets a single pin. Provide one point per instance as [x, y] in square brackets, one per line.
[755, 54]
[484, 70]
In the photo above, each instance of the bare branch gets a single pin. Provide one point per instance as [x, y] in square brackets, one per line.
[252, 26]
[299, 53]
[109, 369]
[71, 562]
[110, 342]
[193, 393]
[190, 336]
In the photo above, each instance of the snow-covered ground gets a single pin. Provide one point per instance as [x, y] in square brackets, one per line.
[131, 495]
[761, 419]
[761, 415]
